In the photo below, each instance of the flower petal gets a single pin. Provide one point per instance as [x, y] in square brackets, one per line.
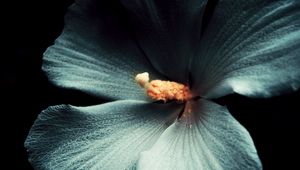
[168, 31]
[207, 138]
[250, 47]
[96, 54]
[107, 136]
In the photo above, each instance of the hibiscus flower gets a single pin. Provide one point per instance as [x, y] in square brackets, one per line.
[248, 47]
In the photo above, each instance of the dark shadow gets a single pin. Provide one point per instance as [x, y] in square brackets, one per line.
[208, 13]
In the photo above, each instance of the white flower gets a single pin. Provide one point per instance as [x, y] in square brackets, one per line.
[248, 47]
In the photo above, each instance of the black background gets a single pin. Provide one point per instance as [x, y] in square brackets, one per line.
[273, 123]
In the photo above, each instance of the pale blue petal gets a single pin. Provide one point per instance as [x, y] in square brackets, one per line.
[207, 139]
[168, 32]
[96, 53]
[251, 48]
[107, 136]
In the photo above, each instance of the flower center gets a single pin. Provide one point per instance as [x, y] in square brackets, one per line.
[163, 90]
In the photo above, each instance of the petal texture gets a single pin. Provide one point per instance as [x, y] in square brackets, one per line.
[168, 32]
[209, 138]
[250, 47]
[96, 54]
[107, 136]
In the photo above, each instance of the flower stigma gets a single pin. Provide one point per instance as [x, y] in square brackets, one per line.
[163, 90]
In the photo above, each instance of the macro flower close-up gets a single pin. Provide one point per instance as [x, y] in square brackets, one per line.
[159, 65]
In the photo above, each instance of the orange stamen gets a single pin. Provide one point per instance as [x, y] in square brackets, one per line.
[163, 90]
